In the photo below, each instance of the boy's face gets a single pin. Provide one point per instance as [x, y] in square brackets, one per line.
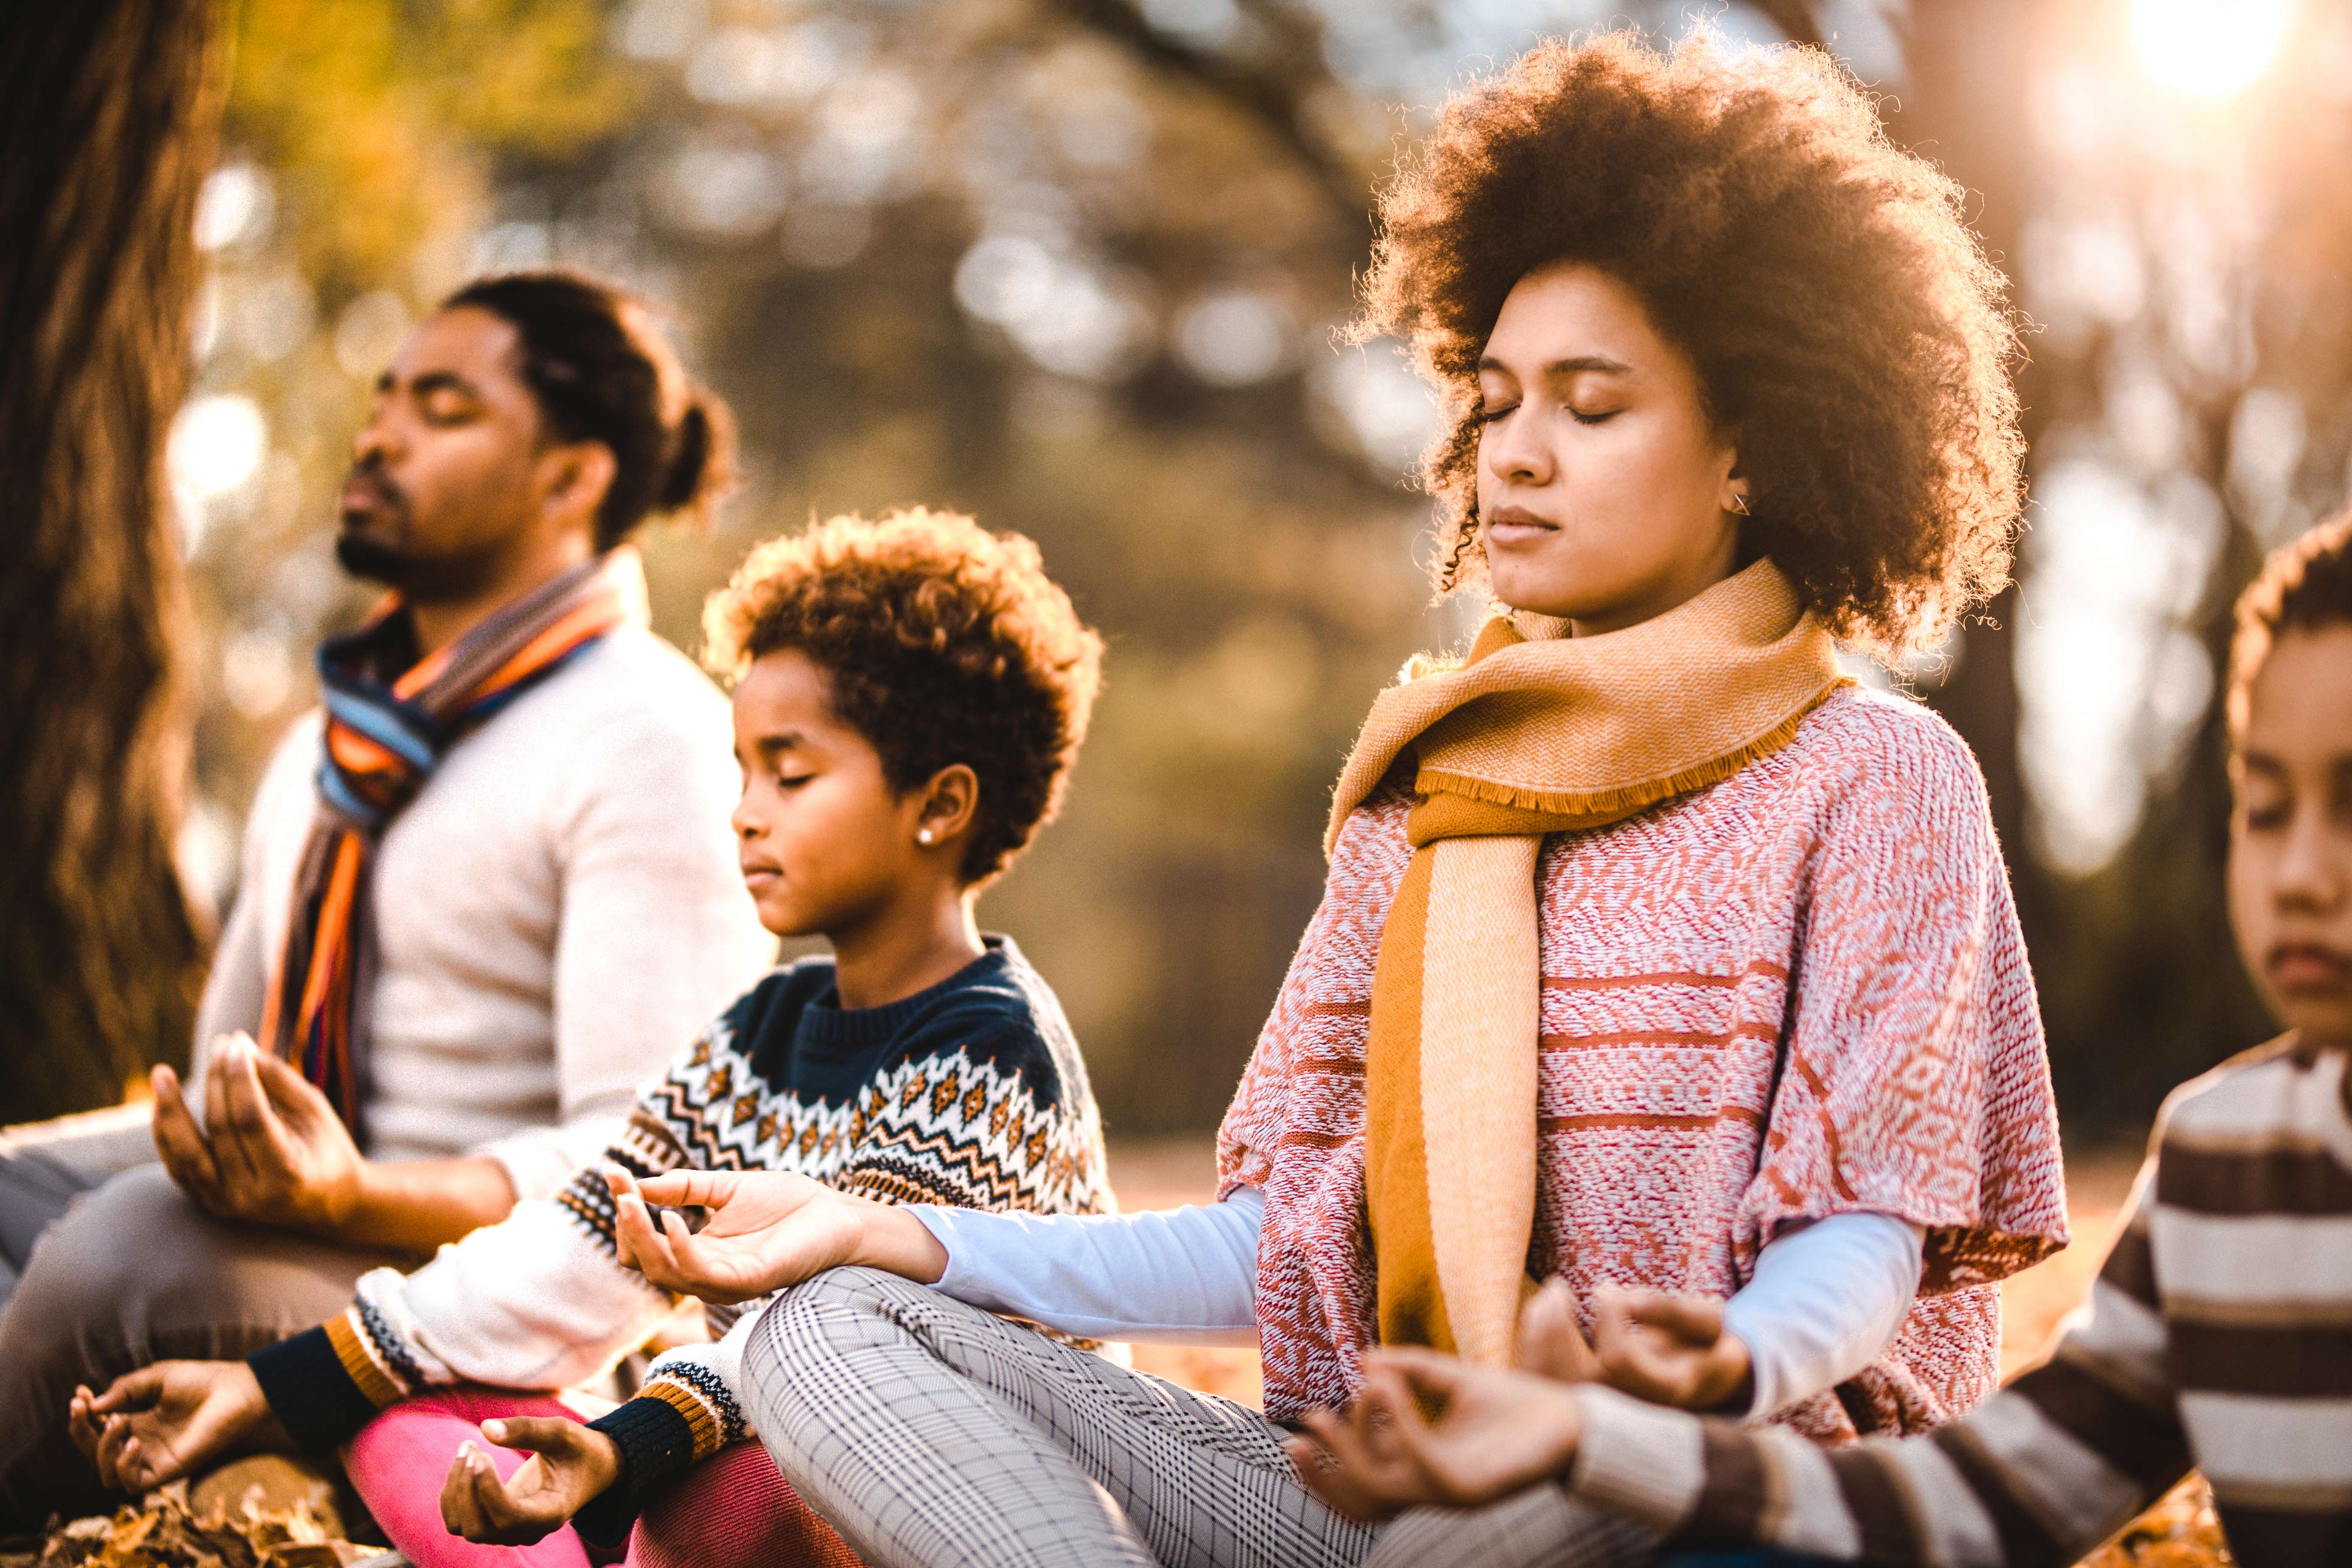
[2291, 836]
[824, 841]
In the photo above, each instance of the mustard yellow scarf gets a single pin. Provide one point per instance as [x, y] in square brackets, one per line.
[1535, 733]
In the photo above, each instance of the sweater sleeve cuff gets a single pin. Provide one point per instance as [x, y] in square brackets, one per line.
[312, 1391]
[1645, 1462]
[657, 1442]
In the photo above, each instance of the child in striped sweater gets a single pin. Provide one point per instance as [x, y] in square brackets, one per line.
[909, 695]
[2218, 1335]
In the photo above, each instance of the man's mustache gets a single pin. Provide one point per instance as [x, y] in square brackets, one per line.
[370, 477]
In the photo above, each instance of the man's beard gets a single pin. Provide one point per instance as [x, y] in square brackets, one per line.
[417, 578]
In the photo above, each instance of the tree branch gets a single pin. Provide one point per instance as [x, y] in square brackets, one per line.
[1274, 91]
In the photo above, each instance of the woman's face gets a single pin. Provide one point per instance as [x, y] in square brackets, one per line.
[1606, 492]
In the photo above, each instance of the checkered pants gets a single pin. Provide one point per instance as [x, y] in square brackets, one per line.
[932, 1435]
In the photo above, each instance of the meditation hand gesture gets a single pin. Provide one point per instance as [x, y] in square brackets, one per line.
[767, 1231]
[271, 1150]
[568, 1465]
[1500, 1430]
[1668, 1350]
[162, 1421]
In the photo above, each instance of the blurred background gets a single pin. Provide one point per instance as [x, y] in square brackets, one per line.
[1074, 266]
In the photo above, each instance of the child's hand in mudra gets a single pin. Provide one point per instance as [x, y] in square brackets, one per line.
[1668, 1350]
[568, 1465]
[1500, 1430]
[767, 1231]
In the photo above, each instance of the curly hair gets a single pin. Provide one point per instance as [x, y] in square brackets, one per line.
[942, 643]
[2304, 584]
[1842, 318]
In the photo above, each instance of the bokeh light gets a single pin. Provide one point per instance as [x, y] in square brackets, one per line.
[2209, 49]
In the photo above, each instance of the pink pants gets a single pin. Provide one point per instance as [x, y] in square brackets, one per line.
[733, 1510]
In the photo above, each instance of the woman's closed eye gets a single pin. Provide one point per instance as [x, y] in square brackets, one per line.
[1599, 416]
[1488, 415]
[793, 781]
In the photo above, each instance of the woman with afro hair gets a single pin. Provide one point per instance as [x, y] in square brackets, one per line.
[1666, 1020]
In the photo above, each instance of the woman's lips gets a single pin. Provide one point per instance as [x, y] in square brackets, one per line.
[2308, 966]
[1512, 525]
[758, 877]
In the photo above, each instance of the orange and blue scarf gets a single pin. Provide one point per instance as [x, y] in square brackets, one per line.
[391, 718]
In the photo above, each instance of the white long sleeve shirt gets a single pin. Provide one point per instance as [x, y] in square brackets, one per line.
[1824, 1302]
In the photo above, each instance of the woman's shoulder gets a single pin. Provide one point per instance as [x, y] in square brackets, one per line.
[1865, 737]
[1374, 833]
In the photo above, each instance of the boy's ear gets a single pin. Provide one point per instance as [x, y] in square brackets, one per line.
[950, 801]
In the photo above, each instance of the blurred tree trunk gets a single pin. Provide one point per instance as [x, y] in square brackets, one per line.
[116, 109]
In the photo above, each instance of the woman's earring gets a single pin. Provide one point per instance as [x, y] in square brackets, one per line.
[923, 836]
[1739, 502]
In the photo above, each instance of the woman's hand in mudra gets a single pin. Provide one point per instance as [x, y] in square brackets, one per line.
[1667, 1348]
[767, 1231]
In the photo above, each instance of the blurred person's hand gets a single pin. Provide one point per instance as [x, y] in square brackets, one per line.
[1498, 1430]
[163, 1421]
[767, 1231]
[271, 1150]
[568, 1465]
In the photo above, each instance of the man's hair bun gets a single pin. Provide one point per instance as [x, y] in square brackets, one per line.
[702, 468]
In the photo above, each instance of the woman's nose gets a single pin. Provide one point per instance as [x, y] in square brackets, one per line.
[1514, 449]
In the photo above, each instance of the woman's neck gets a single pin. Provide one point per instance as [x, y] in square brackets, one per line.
[903, 950]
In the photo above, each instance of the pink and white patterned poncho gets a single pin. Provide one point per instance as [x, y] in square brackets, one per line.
[1798, 993]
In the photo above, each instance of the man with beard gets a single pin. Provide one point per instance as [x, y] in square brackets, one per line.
[485, 893]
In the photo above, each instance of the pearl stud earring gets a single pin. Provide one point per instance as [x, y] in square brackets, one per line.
[924, 837]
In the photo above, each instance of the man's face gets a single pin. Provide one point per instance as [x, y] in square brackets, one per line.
[447, 474]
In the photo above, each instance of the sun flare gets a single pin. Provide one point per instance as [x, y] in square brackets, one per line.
[2209, 48]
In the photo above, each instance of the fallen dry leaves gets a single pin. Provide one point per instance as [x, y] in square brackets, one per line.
[164, 1530]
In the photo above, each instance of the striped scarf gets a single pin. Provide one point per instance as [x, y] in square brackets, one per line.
[391, 718]
[1531, 735]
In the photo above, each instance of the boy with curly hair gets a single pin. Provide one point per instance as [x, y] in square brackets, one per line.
[909, 695]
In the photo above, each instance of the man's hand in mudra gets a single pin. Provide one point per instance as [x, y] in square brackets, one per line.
[767, 1231]
[271, 1150]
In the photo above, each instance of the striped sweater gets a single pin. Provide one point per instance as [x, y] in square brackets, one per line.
[2218, 1335]
[971, 1093]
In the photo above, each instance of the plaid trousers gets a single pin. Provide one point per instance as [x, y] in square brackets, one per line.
[933, 1435]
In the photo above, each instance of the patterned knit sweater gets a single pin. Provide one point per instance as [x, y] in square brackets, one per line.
[970, 1093]
[2218, 1334]
[1798, 993]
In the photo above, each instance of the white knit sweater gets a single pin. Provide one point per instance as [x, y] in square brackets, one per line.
[555, 916]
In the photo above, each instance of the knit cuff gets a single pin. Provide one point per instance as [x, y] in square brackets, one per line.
[311, 1392]
[657, 1442]
[1640, 1461]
